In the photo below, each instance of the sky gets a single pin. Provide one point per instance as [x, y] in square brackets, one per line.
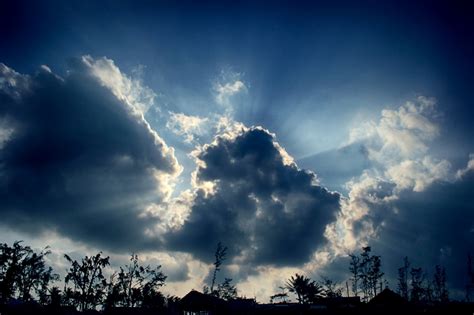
[292, 132]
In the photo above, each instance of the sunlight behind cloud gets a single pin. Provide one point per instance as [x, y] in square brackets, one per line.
[131, 91]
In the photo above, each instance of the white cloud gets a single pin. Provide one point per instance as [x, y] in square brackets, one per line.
[401, 133]
[365, 193]
[398, 145]
[266, 282]
[226, 87]
[225, 90]
[170, 214]
[418, 174]
[6, 132]
[13, 83]
[131, 91]
[187, 126]
[469, 168]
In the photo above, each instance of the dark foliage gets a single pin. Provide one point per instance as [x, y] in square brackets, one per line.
[24, 272]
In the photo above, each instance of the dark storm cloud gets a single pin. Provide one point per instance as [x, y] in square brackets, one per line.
[435, 226]
[266, 210]
[432, 227]
[77, 159]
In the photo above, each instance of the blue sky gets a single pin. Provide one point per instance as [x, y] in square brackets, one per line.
[316, 64]
[374, 98]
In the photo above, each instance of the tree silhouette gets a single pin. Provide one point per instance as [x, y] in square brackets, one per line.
[114, 295]
[366, 272]
[136, 285]
[220, 254]
[282, 296]
[365, 267]
[375, 273]
[355, 270]
[226, 290]
[306, 290]
[23, 271]
[403, 273]
[417, 279]
[51, 297]
[331, 288]
[88, 281]
[439, 283]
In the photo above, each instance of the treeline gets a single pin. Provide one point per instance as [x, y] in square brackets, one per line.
[413, 284]
[25, 276]
[367, 280]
